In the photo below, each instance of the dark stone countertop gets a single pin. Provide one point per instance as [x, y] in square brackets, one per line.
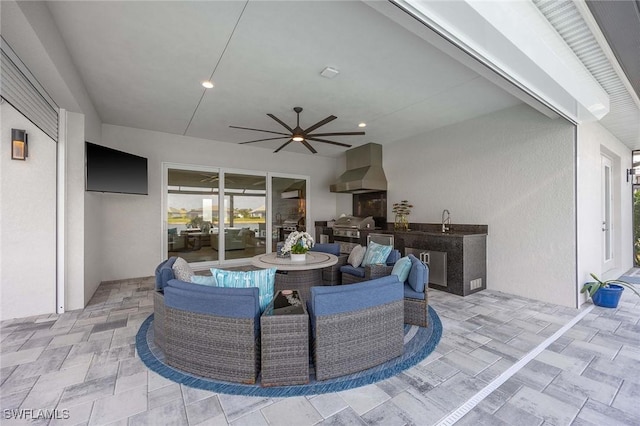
[435, 229]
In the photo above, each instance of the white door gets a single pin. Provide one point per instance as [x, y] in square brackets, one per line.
[607, 206]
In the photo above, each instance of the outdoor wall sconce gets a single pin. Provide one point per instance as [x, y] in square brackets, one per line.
[631, 172]
[19, 145]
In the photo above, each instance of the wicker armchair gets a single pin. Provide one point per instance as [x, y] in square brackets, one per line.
[331, 275]
[212, 332]
[164, 273]
[351, 275]
[355, 327]
[416, 302]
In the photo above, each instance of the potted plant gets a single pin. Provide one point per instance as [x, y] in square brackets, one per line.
[606, 293]
[402, 210]
[298, 243]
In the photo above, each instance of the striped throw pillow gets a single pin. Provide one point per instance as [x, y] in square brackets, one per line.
[376, 254]
[262, 278]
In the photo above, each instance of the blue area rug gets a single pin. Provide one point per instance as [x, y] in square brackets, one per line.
[419, 342]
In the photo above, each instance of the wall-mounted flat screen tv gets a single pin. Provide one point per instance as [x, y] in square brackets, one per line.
[110, 170]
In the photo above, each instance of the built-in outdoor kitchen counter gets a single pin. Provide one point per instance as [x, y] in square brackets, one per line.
[457, 259]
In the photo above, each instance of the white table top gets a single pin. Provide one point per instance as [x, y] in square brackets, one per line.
[315, 260]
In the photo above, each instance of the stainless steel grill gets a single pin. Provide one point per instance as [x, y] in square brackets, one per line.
[346, 231]
[290, 225]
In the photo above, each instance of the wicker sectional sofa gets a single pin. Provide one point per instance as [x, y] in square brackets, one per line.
[356, 326]
[212, 332]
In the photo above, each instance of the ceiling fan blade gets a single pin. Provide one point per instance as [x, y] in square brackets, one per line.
[336, 134]
[259, 130]
[320, 123]
[283, 145]
[267, 139]
[326, 141]
[282, 123]
[309, 147]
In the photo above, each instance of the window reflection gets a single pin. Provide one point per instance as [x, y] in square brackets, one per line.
[192, 214]
[244, 215]
[289, 207]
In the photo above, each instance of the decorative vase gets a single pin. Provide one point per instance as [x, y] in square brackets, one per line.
[401, 223]
[298, 257]
[608, 297]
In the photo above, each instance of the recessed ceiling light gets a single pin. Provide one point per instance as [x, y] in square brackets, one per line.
[207, 84]
[362, 125]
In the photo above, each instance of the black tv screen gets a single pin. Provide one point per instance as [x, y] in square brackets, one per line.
[110, 170]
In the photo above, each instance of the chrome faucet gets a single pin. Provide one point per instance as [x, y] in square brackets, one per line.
[446, 221]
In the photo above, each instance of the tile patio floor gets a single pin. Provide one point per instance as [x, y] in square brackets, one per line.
[85, 362]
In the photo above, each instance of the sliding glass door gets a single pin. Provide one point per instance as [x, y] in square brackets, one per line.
[244, 215]
[289, 207]
[192, 214]
[213, 215]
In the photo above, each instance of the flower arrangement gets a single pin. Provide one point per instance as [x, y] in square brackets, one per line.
[402, 210]
[298, 243]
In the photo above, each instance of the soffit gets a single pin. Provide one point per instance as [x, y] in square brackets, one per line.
[571, 21]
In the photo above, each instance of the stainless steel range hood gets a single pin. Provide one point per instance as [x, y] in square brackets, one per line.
[364, 171]
[295, 190]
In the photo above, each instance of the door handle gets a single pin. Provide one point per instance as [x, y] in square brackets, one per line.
[604, 227]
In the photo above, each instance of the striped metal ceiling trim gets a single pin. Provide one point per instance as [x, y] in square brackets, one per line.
[624, 116]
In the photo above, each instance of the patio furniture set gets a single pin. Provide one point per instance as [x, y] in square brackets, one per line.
[223, 334]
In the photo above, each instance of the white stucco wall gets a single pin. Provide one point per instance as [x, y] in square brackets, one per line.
[27, 221]
[132, 224]
[29, 29]
[512, 170]
[593, 141]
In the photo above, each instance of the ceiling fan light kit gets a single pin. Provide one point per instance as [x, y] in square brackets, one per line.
[298, 134]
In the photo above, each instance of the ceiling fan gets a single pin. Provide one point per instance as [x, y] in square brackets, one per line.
[298, 134]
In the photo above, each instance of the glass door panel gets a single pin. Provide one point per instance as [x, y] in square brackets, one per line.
[244, 215]
[288, 207]
[192, 215]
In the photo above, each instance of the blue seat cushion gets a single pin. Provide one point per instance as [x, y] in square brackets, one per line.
[164, 273]
[410, 293]
[329, 300]
[417, 275]
[393, 257]
[331, 248]
[218, 301]
[348, 269]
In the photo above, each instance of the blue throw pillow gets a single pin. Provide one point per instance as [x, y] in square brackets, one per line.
[402, 268]
[376, 254]
[204, 280]
[417, 275]
[262, 278]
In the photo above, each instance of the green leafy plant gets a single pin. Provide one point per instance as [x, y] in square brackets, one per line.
[593, 286]
[402, 208]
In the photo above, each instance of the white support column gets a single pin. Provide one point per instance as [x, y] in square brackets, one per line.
[61, 204]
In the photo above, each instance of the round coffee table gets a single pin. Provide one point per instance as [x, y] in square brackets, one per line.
[292, 275]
